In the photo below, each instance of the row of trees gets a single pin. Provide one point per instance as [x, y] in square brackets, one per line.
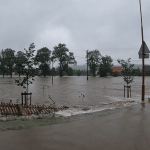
[10, 62]
[40, 62]
[17, 62]
[98, 64]
[101, 65]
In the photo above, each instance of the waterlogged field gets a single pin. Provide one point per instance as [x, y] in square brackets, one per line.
[80, 95]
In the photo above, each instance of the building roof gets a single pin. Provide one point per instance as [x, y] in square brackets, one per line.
[116, 68]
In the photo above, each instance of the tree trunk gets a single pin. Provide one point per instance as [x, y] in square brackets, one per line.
[93, 71]
[10, 73]
[60, 73]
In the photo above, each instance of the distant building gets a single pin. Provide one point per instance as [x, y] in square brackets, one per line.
[13, 73]
[116, 68]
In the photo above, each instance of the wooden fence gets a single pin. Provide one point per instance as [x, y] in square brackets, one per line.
[8, 109]
[17, 110]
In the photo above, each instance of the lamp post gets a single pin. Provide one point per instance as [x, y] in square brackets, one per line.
[143, 73]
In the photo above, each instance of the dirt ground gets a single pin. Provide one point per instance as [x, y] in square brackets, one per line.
[120, 129]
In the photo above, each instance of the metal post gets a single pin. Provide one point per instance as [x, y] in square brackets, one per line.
[52, 72]
[127, 91]
[22, 97]
[25, 99]
[27, 83]
[30, 98]
[143, 73]
[130, 91]
[124, 90]
[87, 64]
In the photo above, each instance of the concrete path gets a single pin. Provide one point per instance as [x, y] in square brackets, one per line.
[122, 129]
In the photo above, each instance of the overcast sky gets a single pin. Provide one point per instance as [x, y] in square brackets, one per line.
[111, 26]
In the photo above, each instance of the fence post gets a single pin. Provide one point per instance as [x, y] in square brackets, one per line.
[25, 98]
[127, 91]
[22, 97]
[124, 91]
[130, 91]
[30, 98]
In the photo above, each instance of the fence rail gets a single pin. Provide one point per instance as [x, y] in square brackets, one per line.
[18, 109]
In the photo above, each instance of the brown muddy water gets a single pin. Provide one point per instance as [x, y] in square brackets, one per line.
[80, 95]
[99, 94]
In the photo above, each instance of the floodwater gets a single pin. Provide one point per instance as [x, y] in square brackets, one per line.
[80, 95]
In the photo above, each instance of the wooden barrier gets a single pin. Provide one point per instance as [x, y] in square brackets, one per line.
[20, 110]
[8, 109]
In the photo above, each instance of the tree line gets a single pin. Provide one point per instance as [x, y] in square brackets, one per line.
[11, 61]
[40, 62]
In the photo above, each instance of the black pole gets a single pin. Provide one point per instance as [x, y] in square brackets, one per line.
[27, 82]
[52, 71]
[124, 90]
[130, 91]
[87, 64]
[22, 97]
[127, 91]
[27, 87]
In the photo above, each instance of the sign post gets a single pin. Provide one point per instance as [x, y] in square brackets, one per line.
[143, 73]
[142, 54]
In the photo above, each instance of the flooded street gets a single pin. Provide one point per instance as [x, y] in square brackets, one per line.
[76, 92]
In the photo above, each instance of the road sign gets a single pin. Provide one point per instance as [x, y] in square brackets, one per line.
[146, 51]
[147, 68]
[145, 56]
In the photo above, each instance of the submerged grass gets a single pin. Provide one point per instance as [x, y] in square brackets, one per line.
[25, 123]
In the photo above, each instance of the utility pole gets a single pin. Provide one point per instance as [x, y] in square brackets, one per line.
[87, 64]
[143, 68]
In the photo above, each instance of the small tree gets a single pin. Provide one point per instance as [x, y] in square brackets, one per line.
[28, 69]
[127, 72]
[115, 74]
[78, 73]
[138, 72]
[69, 71]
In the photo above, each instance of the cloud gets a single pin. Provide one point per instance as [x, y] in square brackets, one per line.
[54, 35]
[113, 27]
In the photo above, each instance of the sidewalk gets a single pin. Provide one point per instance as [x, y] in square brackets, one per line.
[122, 129]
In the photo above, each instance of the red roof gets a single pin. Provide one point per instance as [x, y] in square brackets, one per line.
[118, 69]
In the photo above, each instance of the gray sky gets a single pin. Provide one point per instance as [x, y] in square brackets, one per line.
[111, 26]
